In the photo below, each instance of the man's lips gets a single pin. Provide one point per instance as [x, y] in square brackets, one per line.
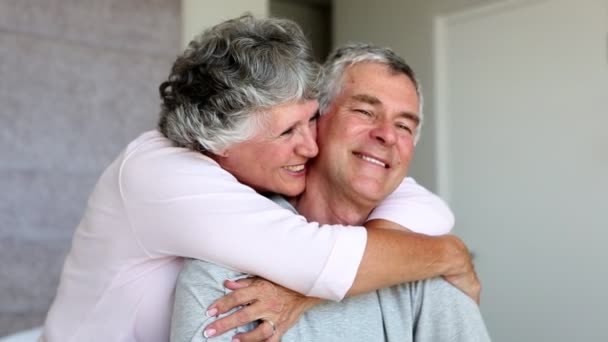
[372, 159]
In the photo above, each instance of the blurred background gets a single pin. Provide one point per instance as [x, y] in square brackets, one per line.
[515, 135]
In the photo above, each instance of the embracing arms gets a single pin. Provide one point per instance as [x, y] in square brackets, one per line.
[391, 257]
[181, 204]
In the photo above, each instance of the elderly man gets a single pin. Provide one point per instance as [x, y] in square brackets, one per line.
[370, 106]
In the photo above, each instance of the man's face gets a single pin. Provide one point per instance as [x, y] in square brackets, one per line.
[366, 139]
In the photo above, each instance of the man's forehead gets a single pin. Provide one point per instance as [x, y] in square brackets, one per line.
[373, 77]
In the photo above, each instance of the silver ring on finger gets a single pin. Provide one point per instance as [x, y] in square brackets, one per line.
[274, 328]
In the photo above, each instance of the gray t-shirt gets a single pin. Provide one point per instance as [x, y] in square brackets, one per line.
[431, 310]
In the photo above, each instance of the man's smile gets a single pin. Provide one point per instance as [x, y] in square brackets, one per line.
[373, 160]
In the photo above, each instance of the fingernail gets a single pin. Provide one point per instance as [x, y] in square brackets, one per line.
[234, 339]
[209, 333]
[212, 312]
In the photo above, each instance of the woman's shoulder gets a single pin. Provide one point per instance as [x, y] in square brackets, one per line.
[154, 166]
[153, 151]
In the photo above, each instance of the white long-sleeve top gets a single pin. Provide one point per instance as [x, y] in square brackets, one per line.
[157, 203]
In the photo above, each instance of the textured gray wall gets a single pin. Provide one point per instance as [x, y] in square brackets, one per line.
[78, 80]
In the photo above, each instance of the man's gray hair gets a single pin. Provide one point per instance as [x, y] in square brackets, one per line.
[222, 85]
[348, 55]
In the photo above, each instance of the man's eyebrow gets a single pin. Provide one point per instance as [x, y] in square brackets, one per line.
[372, 100]
[411, 116]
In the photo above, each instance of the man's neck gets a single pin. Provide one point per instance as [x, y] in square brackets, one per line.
[322, 203]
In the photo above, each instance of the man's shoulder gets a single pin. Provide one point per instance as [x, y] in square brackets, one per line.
[194, 271]
[282, 201]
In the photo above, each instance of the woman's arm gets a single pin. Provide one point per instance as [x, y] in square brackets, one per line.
[293, 305]
[393, 256]
[180, 203]
[415, 208]
[403, 256]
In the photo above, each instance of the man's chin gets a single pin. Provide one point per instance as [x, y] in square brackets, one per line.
[370, 191]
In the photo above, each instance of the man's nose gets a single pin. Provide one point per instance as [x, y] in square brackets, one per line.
[385, 133]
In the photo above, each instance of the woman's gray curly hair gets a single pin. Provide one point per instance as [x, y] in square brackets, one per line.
[226, 79]
[350, 54]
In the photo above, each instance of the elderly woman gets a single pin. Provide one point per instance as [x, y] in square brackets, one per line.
[238, 119]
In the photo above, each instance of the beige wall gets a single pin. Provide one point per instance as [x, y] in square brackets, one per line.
[200, 14]
[315, 20]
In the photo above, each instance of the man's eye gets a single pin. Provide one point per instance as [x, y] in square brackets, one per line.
[314, 117]
[405, 127]
[363, 111]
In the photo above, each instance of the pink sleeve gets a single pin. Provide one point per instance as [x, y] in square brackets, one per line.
[186, 205]
[416, 208]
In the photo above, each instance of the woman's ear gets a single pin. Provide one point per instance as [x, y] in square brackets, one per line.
[223, 153]
[219, 157]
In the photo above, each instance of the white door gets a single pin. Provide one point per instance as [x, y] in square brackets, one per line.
[523, 157]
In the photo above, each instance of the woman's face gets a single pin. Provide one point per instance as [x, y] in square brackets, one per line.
[274, 160]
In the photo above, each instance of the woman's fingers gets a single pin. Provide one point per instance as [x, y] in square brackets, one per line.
[263, 332]
[234, 320]
[277, 307]
[241, 295]
[258, 298]
[239, 284]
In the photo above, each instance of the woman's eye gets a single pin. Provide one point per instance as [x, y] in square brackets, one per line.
[314, 117]
[287, 132]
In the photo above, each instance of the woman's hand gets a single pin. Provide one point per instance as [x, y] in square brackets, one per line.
[277, 307]
[463, 275]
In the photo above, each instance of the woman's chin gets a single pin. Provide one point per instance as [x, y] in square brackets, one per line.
[292, 191]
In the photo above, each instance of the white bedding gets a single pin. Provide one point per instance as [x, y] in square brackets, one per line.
[23, 336]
